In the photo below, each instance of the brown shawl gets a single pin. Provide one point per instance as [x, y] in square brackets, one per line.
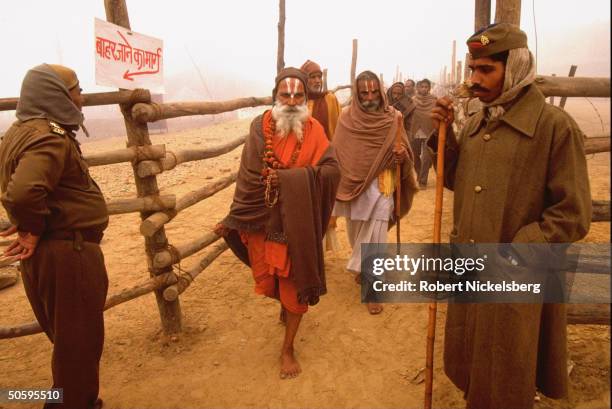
[364, 144]
[306, 200]
[390, 99]
[320, 111]
[421, 118]
[406, 106]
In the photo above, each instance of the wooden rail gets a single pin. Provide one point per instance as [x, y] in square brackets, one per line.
[131, 154]
[95, 99]
[166, 258]
[141, 204]
[185, 279]
[601, 211]
[573, 86]
[172, 159]
[127, 294]
[154, 222]
[597, 144]
[154, 112]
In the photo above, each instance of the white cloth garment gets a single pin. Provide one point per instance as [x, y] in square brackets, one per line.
[367, 221]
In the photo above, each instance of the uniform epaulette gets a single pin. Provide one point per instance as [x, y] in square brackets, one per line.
[56, 129]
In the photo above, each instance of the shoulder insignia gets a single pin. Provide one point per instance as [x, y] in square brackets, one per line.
[55, 128]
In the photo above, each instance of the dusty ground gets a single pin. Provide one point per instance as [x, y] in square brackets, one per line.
[227, 354]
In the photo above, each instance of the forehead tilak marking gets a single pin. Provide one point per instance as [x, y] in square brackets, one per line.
[292, 86]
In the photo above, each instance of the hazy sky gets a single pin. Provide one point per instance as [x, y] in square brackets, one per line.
[236, 40]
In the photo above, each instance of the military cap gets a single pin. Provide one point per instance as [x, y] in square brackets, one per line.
[496, 38]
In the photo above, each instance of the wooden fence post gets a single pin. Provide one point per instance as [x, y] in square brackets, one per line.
[353, 64]
[280, 56]
[138, 135]
[572, 72]
[324, 79]
[508, 11]
[482, 14]
[551, 99]
[466, 67]
[459, 73]
[454, 64]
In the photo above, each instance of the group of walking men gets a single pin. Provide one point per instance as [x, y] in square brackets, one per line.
[517, 170]
[416, 110]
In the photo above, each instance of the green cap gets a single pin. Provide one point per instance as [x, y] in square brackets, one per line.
[495, 39]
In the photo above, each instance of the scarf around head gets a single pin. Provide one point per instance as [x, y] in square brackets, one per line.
[310, 67]
[364, 143]
[390, 96]
[44, 95]
[520, 72]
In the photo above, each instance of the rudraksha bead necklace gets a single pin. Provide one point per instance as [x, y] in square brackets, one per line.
[271, 161]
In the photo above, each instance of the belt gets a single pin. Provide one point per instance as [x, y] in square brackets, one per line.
[89, 235]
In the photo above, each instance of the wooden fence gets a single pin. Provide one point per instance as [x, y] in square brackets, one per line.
[157, 210]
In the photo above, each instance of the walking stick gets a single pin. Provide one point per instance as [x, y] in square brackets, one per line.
[398, 184]
[433, 306]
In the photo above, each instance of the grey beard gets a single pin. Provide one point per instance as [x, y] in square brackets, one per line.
[371, 106]
[317, 89]
[288, 119]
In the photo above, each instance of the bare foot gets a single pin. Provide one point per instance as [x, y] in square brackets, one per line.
[358, 278]
[374, 308]
[290, 367]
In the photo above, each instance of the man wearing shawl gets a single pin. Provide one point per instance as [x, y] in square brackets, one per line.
[59, 215]
[403, 103]
[283, 200]
[421, 129]
[322, 104]
[368, 152]
[519, 175]
[409, 88]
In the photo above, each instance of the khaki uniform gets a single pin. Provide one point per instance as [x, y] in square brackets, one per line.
[47, 190]
[520, 179]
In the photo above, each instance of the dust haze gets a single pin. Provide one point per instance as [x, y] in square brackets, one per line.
[224, 50]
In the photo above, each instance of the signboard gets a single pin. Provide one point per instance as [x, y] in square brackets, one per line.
[125, 59]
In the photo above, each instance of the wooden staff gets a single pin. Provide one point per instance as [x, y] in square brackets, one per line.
[398, 184]
[433, 306]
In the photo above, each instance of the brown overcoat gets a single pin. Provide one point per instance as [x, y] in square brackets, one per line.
[520, 179]
[45, 182]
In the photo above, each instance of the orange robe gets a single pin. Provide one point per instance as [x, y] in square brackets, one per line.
[270, 260]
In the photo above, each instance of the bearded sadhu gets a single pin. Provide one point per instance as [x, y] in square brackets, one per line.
[284, 196]
[371, 145]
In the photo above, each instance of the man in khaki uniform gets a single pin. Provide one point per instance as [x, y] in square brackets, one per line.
[59, 215]
[519, 175]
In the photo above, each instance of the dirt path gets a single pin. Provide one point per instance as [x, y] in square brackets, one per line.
[227, 355]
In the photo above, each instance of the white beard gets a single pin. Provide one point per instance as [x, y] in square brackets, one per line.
[290, 119]
[317, 88]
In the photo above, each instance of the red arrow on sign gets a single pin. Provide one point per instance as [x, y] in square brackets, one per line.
[128, 75]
